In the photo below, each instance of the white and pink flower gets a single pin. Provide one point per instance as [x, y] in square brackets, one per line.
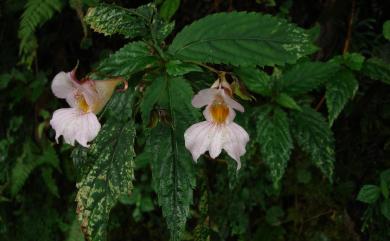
[86, 99]
[218, 131]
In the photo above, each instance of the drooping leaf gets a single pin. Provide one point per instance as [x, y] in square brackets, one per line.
[130, 59]
[369, 194]
[241, 38]
[36, 13]
[377, 69]
[385, 208]
[169, 8]
[150, 98]
[287, 101]
[108, 176]
[172, 165]
[304, 77]
[341, 88]
[275, 140]
[110, 19]
[256, 80]
[314, 136]
[105, 169]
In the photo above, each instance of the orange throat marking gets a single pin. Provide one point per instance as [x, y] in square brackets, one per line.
[219, 111]
[82, 103]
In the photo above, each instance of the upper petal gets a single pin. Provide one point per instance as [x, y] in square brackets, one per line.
[204, 97]
[62, 85]
[232, 103]
[75, 125]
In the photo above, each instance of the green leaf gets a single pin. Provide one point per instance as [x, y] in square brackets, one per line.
[256, 80]
[172, 165]
[369, 194]
[275, 140]
[377, 69]
[353, 61]
[241, 38]
[385, 183]
[130, 59]
[36, 13]
[110, 19]
[108, 176]
[314, 136]
[152, 95]
[304, 77]
[386, 30]
[47, 175]
[177, 68]
[287, 101]
[339, 90]
[169, 8]
[385, 208]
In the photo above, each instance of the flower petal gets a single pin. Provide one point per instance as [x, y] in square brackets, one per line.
[75, 125]
[62, 85]
[198, 137]
[232, 103]
[215, 147]
[236, 140]
[204, 97]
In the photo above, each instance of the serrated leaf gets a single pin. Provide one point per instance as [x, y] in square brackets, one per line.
[130, 59]
[377, 69]
[273, 134]
[169, 8]
[172, 166]
[339, 90]
[150, 98]
[178, 68]
[313, 135]
[110, 19]
[368, 194]
[386, 30]
[256, 80]
[241, 38]
[287, 101]
[304, 77]
[107, 176]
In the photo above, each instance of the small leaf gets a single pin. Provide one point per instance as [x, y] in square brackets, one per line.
[304, 77]
[313, 135]
[377, 69]
[353, 61]
[241, 38]
[385, 208]
[339, 91]
[369, 194]
[130, 59]
[386, 30]
[287, 101]
[256, 80]
[110, 19]
[169, 8]
[178, 68]
[151, 96]
[275, 141]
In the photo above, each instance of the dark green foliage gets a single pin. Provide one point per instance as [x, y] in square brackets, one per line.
[313, 135]
[256, 40]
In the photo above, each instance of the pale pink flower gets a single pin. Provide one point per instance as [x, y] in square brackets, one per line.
[218, 131]
[79, 122]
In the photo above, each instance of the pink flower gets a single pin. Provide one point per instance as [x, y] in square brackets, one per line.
[218, 131]
[79, 122]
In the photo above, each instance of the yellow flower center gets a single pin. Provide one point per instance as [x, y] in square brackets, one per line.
[219, 110]
[82, 103]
